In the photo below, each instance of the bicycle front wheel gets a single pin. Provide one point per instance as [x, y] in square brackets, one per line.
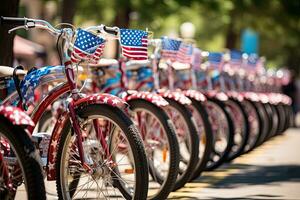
[118, 163]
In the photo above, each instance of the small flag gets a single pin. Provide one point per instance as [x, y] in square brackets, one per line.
[235, 58]
[214, 59]
[170, 48]
[87, 46]
[184, 54]
[134, 44]
[252, 60]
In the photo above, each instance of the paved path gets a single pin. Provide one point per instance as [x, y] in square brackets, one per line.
[272, 171]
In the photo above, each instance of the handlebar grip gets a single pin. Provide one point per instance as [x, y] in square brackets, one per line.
[15, 21]
[111, 30]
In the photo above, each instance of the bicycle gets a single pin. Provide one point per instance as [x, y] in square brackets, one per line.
[85, 139]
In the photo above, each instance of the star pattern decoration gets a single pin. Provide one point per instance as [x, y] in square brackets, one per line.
[54, 143]
[130, 37]
[195, 95]
[105, 99]
[177, 96]
[33, 79]
[87, 42]
[51, 166]
[16, 115]
[149, 96]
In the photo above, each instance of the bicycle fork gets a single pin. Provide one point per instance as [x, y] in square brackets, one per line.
[77, 130]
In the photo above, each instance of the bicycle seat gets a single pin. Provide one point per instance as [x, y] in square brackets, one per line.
[105, 62]
[6, 71]
[135, 64]
[180, 66]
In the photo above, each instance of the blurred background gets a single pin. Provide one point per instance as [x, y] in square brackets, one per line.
[270, 28]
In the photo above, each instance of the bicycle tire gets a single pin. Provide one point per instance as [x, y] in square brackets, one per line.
[252, 143]
[28, 159]
[265, 121]
[274, 121]
[208, 143]
[167, 185]
[244, 130]
[282, 118]
[193, 140]
[230, 132]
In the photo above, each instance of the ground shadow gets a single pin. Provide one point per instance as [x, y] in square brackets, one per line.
[257, 175]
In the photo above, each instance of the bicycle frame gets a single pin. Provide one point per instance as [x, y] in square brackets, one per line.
[50, 98]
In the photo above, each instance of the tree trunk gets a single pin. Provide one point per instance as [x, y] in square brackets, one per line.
[8, 8]
[68, 11]
[122, 19]
[231, 35]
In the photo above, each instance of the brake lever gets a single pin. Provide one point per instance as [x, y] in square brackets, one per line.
[16, 28]
[26, 27]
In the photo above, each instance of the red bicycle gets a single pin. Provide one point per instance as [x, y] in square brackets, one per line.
[95, 150]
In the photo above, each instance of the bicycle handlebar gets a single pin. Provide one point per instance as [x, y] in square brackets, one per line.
[28, 23]
[111, 30]
[16, 21]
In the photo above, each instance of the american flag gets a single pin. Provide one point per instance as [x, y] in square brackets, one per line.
[214, 59]
[87, 46]
[184, 54]
[134, 44]
[235, 58]
[170, 48]
[252, 60]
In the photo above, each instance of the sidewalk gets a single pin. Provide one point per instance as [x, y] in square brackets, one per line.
[272, 171]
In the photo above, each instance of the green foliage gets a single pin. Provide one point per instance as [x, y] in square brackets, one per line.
[276, 21]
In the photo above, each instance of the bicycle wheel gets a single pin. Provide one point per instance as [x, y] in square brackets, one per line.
[273, 117]
[119, 166]
[275, 121]
[187, 138]
[241, 131]
[161, 146]
[205, 135]
[255, 124]
[223, 133]
[282, 118]
[19, 165]
[265, 121]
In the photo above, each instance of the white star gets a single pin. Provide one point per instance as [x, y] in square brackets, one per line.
[54, 143]
[115, 101]
[105, 99]
[51, 166]
[54, 153]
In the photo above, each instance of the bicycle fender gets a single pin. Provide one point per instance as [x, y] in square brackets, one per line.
[16, 116]
[194, 94]
[177, 96]
[251, 96]
[147, 96]
[263, 98]
[102, 98]
[235, 95]
[53, 145]
[221, 96]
